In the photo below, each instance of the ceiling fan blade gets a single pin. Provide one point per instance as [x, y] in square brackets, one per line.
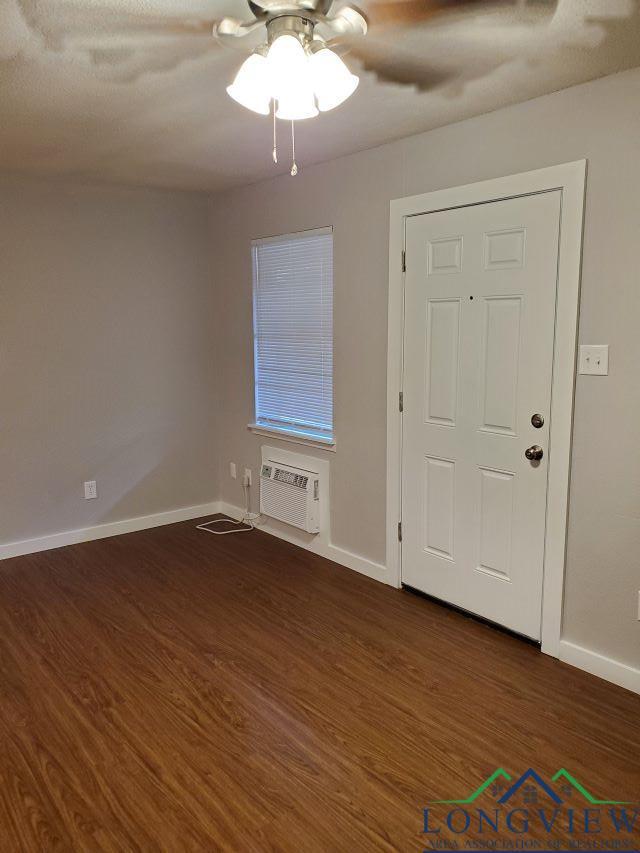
[233, 28]
[347, 21]
[129, 64]
[118, 45]
[172, 26]
[502, 30]
[98, 25]
[398, 12]
[402, 12]
[131, 24]
[396, 67]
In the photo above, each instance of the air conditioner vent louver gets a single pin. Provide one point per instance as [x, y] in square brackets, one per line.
[297, 480]
[291, 495]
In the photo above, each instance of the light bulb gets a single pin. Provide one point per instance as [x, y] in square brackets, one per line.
[251, 87]
[290, 79]
[331, 79]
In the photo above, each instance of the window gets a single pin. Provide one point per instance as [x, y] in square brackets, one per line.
[293, 333]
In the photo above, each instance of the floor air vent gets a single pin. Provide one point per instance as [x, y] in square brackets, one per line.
[291, 495]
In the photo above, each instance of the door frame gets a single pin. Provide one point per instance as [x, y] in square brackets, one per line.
[570, 180]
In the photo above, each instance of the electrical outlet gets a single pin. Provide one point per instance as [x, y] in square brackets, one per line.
[247, 477]
[639, 605]
[232, 470]
[594, 359]
[90, 490]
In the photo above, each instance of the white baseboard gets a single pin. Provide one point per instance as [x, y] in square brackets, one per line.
[607, 668]
[600, 665]
[101, 531]
[325, 549]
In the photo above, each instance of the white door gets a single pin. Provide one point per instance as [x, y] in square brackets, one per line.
[480, 296]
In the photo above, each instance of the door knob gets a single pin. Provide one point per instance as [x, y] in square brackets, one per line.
[534, 453]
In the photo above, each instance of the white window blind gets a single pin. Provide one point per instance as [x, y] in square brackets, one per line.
[293, 332]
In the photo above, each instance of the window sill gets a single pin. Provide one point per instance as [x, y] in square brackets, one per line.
[292, 436]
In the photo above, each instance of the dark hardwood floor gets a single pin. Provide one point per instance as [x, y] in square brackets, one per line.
[173, 690]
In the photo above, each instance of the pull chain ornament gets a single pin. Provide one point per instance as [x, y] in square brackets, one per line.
[275, 137]
[294, 165]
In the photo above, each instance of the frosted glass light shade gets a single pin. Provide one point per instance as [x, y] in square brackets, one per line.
[332, 81]
[288, 65]
[251, 88]
[290, 79]
[294, 79]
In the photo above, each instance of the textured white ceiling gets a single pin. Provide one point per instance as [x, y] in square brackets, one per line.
[77, 101]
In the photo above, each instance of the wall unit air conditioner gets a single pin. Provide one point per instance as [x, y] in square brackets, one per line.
[290, 494]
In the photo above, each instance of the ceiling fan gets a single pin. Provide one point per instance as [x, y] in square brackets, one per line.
[295, 68]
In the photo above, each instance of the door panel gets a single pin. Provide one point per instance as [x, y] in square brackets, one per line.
[442, 348]
[438, 502]
[480, 293]
[499, 355]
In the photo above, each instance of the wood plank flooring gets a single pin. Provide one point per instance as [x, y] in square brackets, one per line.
[173, 690]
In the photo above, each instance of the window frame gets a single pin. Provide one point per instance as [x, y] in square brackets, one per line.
[291, 434]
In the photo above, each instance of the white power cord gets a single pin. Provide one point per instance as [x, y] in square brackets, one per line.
[249, 517]
[247, 521]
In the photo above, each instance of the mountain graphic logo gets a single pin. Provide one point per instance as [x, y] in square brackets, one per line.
[496, 782]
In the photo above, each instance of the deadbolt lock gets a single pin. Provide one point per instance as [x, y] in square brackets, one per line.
[537, 421]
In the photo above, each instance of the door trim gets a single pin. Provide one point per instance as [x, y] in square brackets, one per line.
[570, 179]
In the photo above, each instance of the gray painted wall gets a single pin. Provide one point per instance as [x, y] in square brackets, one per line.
[106, 355]
[126, 351]
[599, 121]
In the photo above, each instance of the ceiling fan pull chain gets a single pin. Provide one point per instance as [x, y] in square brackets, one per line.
[275, 136]
[294, 165]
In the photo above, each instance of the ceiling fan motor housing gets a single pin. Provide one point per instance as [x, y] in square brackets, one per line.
[276, 8]
[294, 25]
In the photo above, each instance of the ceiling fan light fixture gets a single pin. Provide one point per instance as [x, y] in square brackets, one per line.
[297, 106]
[287, 65]
[251, 86]
[294, 68]
[290, 79]
[332, 81]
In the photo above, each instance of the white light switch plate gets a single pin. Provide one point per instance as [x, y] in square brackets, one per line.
[594, 359]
